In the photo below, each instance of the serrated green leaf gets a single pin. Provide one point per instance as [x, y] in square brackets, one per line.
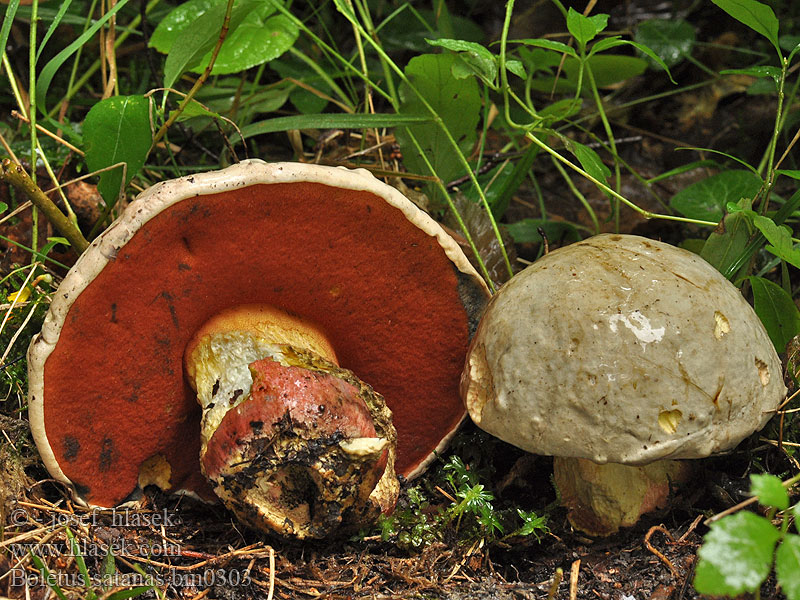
[585, 29]
[781, 319]
[706, 199]
[769, 488]
[726, 243]
[458, 104]
[757, 16]
[787, 566]
[736, 555]
[779, 238]
[117, 130]
[671, 39]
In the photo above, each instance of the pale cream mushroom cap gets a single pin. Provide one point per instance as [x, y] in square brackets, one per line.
[621, 349]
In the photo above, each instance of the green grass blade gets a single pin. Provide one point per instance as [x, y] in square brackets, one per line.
[51, 68]
[330, 121]
[62, 10]
[11, 12]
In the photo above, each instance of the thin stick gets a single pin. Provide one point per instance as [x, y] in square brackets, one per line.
[14, 174]
[18, 115]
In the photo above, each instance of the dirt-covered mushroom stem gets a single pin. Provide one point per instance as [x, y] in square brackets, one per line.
[291, 442]
[618, 353]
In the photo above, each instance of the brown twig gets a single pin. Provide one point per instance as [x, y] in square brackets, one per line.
[655, 550]
[14, 174]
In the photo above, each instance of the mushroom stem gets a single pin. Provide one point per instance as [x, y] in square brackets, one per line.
[291, 442]
[603, 498]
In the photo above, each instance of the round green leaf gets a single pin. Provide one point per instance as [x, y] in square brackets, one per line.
[736, 555]
[671, 40]
[769, 488]
[787, 566]
[706, 200]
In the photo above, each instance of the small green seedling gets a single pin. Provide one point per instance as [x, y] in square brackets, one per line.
[741, 550]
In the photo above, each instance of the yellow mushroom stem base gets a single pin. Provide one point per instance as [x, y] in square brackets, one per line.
[603, 498]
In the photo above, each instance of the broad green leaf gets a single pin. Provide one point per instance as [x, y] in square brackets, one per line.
[456, 101]
[479, 59]
[706, 199]
[736, 555]
[3, 207]
[769, 488]
[794, 174]
[526, 231]
[54, 64]
[331, 121]
[608, 69]
[117, 130]
[757, 16]
[195, 41]
[787, 566]
[305, 101]
[190, 31]
[781, 319]
[671, 39]
[585, 29]
[727, 241]
[779, 238]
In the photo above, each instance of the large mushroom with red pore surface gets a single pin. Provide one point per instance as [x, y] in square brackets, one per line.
[238, 331]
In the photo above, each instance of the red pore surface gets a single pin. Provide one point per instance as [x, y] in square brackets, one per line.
[382, 291]
[307, 401]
